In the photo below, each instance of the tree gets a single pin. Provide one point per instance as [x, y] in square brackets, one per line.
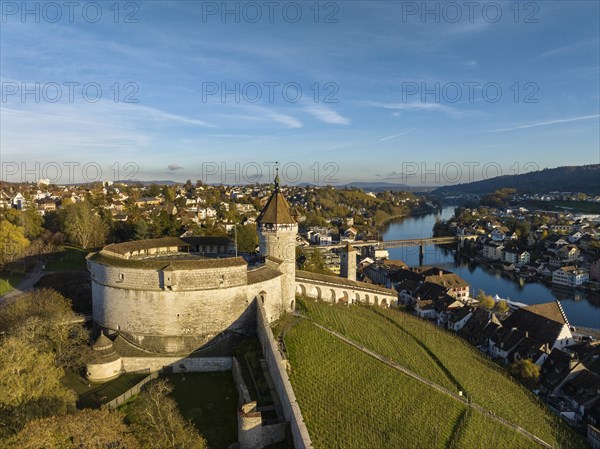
[142, 230]
[154, 190]
[165, 224]
[157, 423]
[87, 429]
[169, 193]
[527, 371]
[32, 223]
[316, 263]
[247, 238]
[45, 320]
[83, 226]
[13, 242]
[485, 301]
[502, 306]
[30, 386]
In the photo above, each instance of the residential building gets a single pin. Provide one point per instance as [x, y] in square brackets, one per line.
[516, 257]
[570, 276]
[492, 251]
[595, 271]
[568, 252]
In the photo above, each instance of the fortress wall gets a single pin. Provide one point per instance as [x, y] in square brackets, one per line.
[272, 303]
[243, 393]
[136, 278]
[330, 292]
[210, 278]
[172, 321]
[178, 364]
[277, 369]
[153, 279]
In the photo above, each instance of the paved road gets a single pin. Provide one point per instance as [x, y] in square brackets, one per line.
[27, 283]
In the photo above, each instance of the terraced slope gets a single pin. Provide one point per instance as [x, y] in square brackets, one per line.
[350, 399]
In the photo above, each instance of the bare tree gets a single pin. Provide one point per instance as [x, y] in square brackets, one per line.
[157, 422]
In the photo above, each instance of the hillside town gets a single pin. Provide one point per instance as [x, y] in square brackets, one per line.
[555, 359]
[560, 247]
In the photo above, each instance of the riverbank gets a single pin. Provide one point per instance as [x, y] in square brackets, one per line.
[381, 227]
[581, 306]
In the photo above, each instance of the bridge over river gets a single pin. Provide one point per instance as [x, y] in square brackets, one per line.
[385, 244]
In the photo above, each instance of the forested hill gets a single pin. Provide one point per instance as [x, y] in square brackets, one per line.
[583, 178]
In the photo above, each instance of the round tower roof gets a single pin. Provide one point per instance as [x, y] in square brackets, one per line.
[102, 343]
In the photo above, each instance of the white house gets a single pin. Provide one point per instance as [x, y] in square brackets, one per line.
[570, 276]
[425, 309]
[492, 250]
[569, 253]
[516, 257]
[18, 201]
[497, 235]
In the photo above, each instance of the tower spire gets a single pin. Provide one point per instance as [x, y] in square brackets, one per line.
[277, 177]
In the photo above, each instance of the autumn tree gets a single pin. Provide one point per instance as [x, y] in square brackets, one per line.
[86, 429]
[526, 371]
[502, 306]
[44, 319]
[83, 226]
[157, 423]
[30, 386]
[169, 194]
[32, 223]
[13, 242]
[485, 301]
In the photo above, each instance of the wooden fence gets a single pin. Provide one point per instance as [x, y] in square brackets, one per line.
[131, 392]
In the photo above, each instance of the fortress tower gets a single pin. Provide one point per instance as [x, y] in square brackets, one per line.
[348, 262]
[277, 231]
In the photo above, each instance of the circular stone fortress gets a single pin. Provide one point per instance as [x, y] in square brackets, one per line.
[165, 296]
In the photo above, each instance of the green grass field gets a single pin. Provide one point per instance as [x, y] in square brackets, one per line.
[98, 394]
[9, 281]
[71, 258]
[350, 400]
[209, 400]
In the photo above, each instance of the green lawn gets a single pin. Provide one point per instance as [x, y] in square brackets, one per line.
[97, 394]
[71, 258]
[9, 281]
[209, 400]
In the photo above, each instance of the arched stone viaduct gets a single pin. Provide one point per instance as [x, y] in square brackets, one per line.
[340, 290]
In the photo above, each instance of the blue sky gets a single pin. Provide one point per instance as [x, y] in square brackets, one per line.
[401, 82]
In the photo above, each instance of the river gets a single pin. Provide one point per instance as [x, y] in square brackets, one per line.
[582, 308]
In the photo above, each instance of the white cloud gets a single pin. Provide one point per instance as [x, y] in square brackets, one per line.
[159, 115]
[262, 113]
[393, 136]
[551, 122]
[327, 115]
[427, 107]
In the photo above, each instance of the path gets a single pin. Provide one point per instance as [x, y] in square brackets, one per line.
[28, 281]
[433, 385]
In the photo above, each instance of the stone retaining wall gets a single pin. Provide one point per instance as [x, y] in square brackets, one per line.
[277, 369]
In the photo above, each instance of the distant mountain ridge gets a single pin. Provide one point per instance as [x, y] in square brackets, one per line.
[581, 178]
